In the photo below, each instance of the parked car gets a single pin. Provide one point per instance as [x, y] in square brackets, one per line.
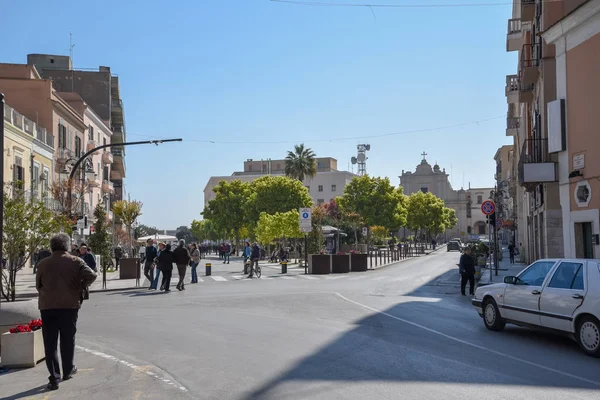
[453, 245]
[556, 294]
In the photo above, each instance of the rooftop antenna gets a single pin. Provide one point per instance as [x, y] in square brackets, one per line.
[361, 158]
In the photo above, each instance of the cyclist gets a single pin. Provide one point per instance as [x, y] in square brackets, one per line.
[255, 256]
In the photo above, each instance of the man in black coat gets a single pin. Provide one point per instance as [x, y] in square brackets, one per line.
[467, 272]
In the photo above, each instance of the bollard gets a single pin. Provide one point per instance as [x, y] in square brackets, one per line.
[284, 267]
[208, 269]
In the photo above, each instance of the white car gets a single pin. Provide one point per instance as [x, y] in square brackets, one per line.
[555, 294]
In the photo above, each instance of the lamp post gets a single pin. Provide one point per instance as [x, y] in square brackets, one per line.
[83, 157]
[1, 191]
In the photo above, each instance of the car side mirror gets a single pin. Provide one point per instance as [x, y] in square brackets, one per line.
[511, 280]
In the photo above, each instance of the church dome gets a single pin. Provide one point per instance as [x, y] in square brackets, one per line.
[436, 168]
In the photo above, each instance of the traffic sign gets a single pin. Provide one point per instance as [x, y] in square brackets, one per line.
[305, 219]
[488, 207]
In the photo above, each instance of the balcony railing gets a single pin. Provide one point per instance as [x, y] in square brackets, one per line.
[91, 144]
[531, 54]
[535, 151]
[107, 186]
[512, 126]
[514, 35]
[107, 157]
[28, 126]
[117, 152]
[64, 154]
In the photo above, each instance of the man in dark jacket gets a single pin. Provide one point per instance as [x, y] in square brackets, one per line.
[182, 259]
[118, 256]
[254, 258]
[467, 272]
[60, 280]
[149, 256]
[88, 257]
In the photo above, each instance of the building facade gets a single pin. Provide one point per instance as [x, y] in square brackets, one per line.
[573, 124]
[505, 207]
[536, 102]
[466, 203]
[326, 185]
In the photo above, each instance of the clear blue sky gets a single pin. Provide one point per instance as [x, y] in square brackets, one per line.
[249, 71]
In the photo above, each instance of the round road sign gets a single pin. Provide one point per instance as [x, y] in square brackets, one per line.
[488, 207]
[305, 215]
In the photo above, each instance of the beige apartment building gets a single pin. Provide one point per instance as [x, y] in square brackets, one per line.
[506, 189]
[323, 187]
[536, 97]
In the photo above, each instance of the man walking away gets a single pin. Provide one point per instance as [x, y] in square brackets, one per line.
[88, 257]
[254, 258]
[467, 272]
[182, 259]
[60, 280]
[511, 252]
[119, 255]
[166, 258]
[227, 253]
[148, 260]
[44, 252]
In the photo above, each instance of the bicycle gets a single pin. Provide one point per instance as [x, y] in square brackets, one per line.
[255, 268]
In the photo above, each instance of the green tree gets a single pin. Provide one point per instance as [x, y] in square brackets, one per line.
[315, 236]
[128, 212]
[450, 218]
[354, 222]
[27, 226]
[300, 163]
[278, 226]
[375, 200]
[426, 212]
[275, 194]
[380, 234]
[183, 232]
[204, 229]
[100, 240]
[227, 209]
[144, 230]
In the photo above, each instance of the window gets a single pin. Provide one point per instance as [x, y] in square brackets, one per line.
[62, 136]
[45, 182]
[479, 199]
[468, 230]
[333, 188]
[105, 173]
[18, 174]
[77, 146]
[104, 141]
[320, 201]
[568, 275]
[35, 178]
[535, 274]
[320, 188]
[424, 189]
[91, 132]
[249, 167]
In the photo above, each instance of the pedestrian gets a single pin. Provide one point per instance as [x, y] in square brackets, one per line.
[255, 256]
[87, 256]
[182, 259]
[166, 258]
[43, 253]
[467, 272]
[118, 256]
[161, 247]
[247, 254]
[195, 254]
[60, 281]
[511, 252]
[150, 254]
[75, 250]
[227, 253]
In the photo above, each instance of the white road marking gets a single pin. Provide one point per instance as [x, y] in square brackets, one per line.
[308, 277]
[287, 277]
[132, 366]
[238, 277]
[499, 353]
[219, 278]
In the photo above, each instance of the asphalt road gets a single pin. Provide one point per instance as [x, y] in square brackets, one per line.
[402, 331]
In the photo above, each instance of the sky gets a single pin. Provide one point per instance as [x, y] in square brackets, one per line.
[240, 79]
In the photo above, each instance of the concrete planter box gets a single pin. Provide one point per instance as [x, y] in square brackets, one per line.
[359, 262]
[130, 268]
[20, 350]
[319, 264]
[340, 264]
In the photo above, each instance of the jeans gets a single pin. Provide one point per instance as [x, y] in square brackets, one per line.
[61, 322]
[181, 270]
[149, 273]
[194, 272]
[226, 257]
[155, 281]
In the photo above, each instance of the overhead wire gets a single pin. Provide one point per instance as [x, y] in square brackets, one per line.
[337, 139]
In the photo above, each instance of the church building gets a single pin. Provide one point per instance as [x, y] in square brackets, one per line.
[466, 203]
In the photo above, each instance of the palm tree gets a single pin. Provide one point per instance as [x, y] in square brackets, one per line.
[300, 163]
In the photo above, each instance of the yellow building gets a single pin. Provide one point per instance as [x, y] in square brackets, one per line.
[28, 154]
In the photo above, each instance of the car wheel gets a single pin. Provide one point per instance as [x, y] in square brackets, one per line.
[588, 335]
[491, 316]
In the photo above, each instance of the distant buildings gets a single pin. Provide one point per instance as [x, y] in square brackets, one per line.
[326, 185]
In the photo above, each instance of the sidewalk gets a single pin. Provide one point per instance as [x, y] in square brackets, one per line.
[505, 268]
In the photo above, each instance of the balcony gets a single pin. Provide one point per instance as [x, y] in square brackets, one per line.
[108, 187]
[118, 134]
[93, 180]
[514, 35]
[107, 157]
[535, 165]
[117, 172]
[531, 54]
[528, 10]
[512, 89]
[91, 145]
[63, 155]
[512, 126]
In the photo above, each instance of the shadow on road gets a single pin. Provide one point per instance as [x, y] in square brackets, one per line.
[384, 349]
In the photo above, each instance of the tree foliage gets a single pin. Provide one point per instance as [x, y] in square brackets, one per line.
[426, 212]
[278, 226]
[227, 209]
[275, 194]
[144, 230]
[204, 230]
[375, 200]
[27, 227]
[100, 240]
[69, 210]
[128, 212]
[300, 163]
[380, 234]
[185, 233]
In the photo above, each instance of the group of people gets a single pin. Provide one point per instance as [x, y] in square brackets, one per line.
[162, 258]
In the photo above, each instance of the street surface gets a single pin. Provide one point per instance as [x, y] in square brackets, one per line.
[403, 331]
